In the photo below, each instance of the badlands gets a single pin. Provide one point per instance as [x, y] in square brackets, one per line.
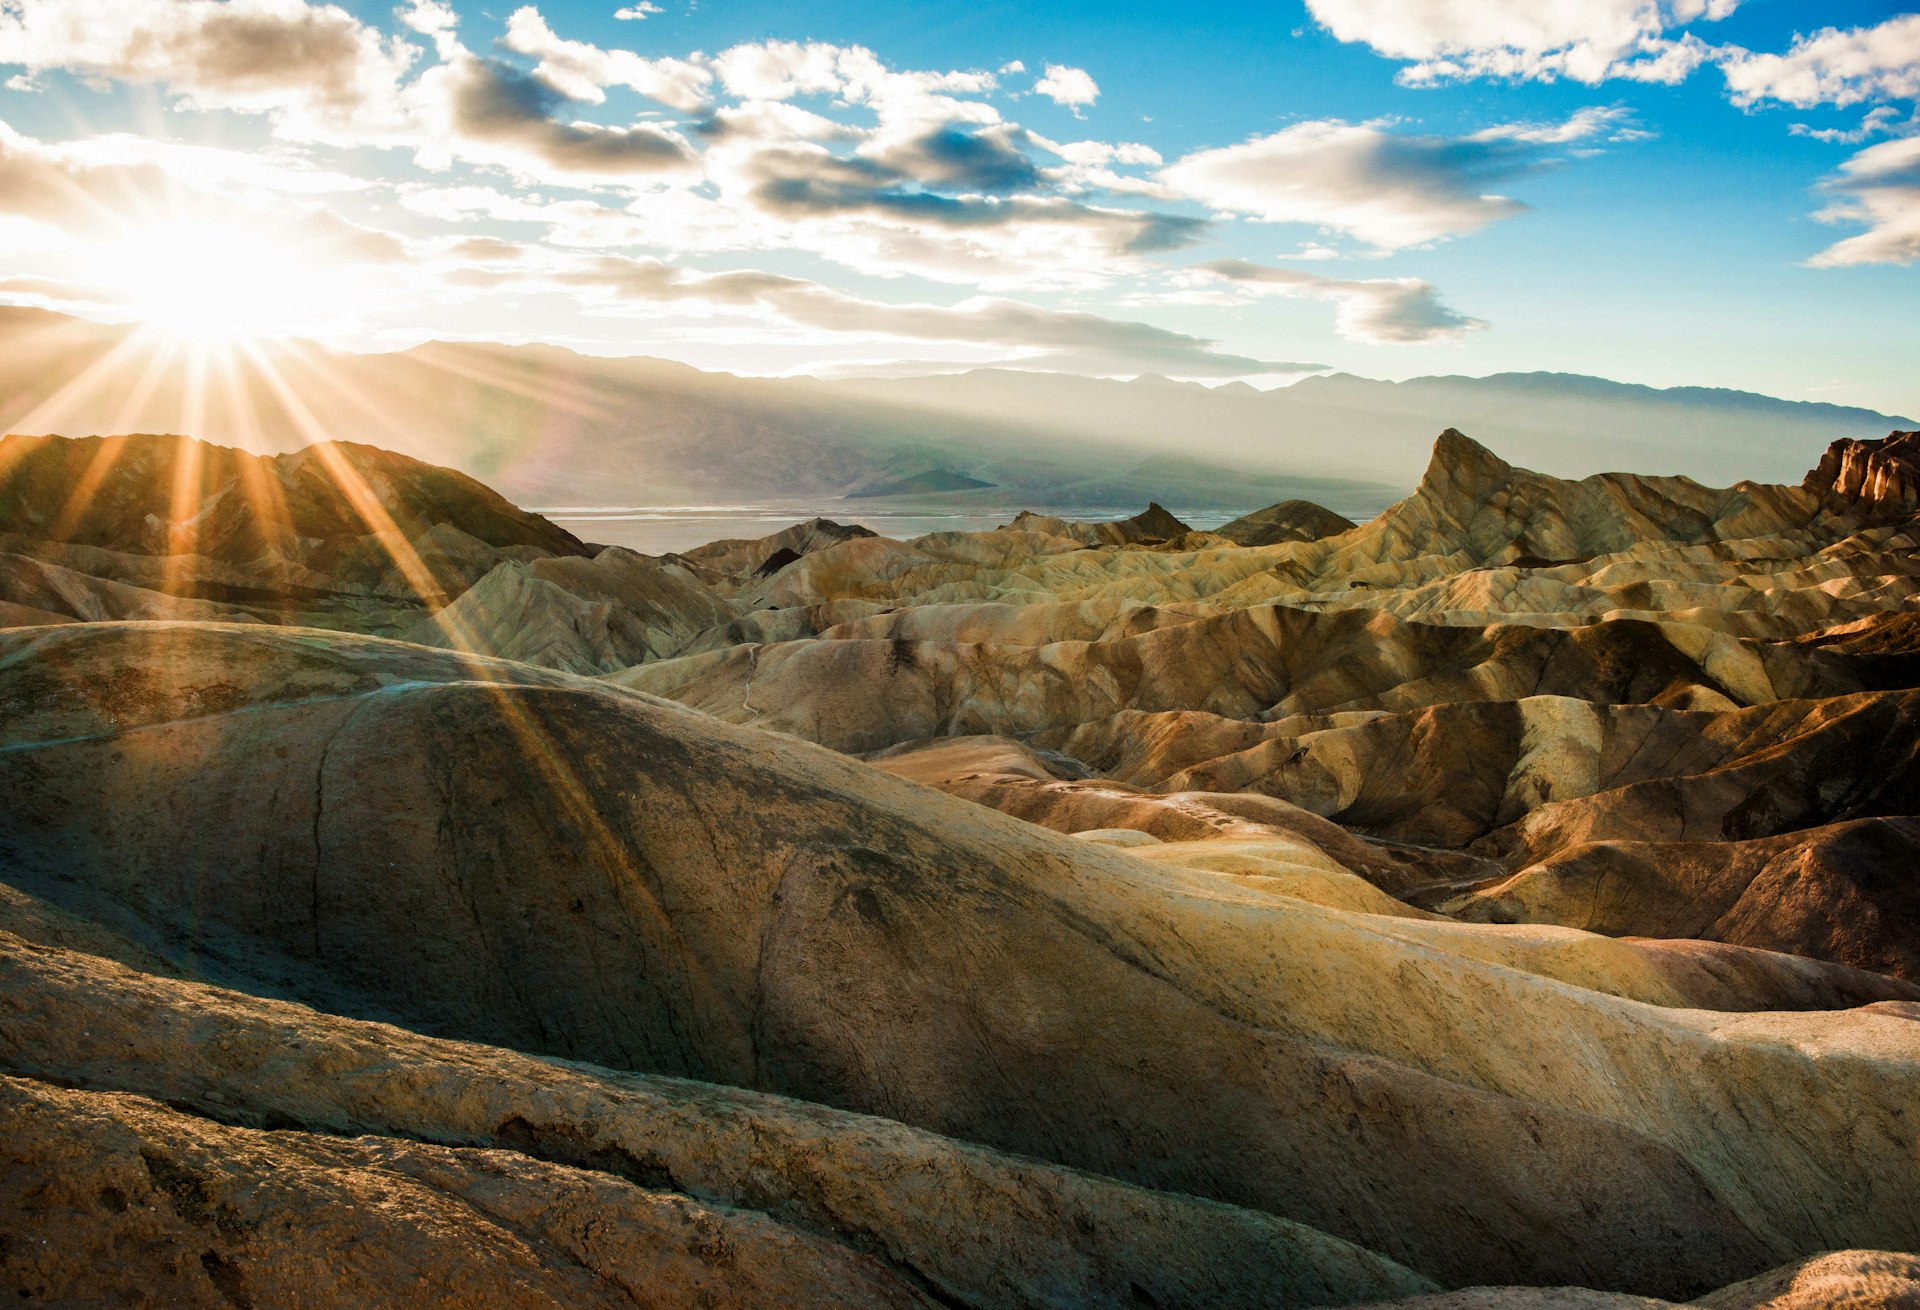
[1510, 901]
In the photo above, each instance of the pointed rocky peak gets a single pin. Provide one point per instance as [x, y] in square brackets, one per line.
[1455, 449]
[1462, 466]
[1154, 521]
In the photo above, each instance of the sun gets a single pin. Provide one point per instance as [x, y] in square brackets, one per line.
[205, 277]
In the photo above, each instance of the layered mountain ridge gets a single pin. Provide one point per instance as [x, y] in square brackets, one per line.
[548, 426]
[1513, 891]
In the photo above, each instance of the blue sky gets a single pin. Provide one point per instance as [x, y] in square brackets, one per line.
[1713, 192]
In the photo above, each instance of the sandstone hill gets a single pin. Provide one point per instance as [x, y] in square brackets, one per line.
[1508, 901]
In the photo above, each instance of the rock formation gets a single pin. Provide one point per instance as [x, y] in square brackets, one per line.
[1878, 478]
[1290, 520]
[1512, 893]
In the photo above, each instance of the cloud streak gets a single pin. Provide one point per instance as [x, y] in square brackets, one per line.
[1113, 345]
[1372, 311]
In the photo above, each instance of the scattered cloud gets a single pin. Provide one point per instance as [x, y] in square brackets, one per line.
[634, 13]
[1881, 120]
[1392, 189]
[818, 150]
[1072, 87]
[1831, 67]
[1585, 41]
[1878, 187]
[1373, 311]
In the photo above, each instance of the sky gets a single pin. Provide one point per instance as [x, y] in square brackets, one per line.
[1700, 192]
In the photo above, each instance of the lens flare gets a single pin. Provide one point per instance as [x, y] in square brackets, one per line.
[194, 277]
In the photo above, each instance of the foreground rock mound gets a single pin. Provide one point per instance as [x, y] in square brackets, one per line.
[562, 1181]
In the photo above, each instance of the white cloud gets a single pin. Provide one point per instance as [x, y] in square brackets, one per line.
[321, 73]
[783, 70]
[1012, 66]
[1581, 40]
[1831, 67]
[1072, 87]
[582, 72]
[1391, 189]
[488, 111]
[1880, 187]
[1373, 311]
[634, 13]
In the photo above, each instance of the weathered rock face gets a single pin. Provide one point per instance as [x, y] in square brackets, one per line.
[1868, 1280]
[540, 862]
[117, 1199]
[1880, 479]
[1841, 891]
[581, 615]
[557, 1181]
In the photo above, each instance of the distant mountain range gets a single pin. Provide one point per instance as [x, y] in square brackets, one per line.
[547, 426]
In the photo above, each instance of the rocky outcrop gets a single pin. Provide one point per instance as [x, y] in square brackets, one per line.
[582, 615]
[337, 534]
[1880, 480]
[118, 1198]
[738, 561]
[1861, 1280]
[1152, 524]
[1290, 520]
[1839, 891]
[954, 670]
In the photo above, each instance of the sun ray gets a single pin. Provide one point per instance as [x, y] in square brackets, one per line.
[46, 415]
[361, 497]
[159, 360]
[264, 493]
[545, 393]
[537, 746]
